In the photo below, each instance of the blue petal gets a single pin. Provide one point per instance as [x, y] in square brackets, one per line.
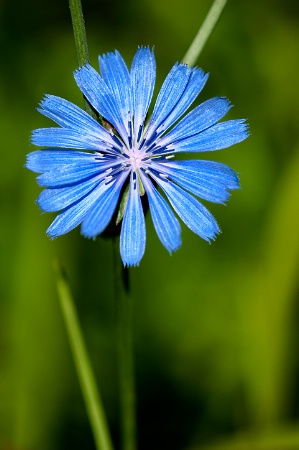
[132, 236]
[207, 179]
[194, 86]
[101, 212]
[179, 90]
[203, 116]
[166, 224]
[116, 75]
[143, 76]
[72, 173]
[217, 137]
[51, 200]
[72, 216]
[100, 97]
[190, 210]
[70, 116]
[60, 137]
[44, 160]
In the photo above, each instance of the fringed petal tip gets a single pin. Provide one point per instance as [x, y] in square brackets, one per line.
[146, 47]
[129, 264]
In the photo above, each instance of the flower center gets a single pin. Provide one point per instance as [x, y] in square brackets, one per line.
[137, 159]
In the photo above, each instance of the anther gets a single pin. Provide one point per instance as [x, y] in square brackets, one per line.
[115, 138]
[139, 132]
[152, 147]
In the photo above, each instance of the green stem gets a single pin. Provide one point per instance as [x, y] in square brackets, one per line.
[125, 350]
[204, 32]
[79, 32]
[80, 41]
[86, 377]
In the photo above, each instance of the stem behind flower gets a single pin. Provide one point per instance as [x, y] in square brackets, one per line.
[204, 32]
[125, 350]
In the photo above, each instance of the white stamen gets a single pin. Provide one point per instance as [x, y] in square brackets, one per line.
[161, 128]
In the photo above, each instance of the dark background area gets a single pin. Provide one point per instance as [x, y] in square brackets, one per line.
[216, 326]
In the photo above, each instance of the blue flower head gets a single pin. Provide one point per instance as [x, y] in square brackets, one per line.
[86, 167]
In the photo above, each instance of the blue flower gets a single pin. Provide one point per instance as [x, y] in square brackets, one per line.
[130, 156]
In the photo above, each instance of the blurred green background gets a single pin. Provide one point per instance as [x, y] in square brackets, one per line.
[216, 326]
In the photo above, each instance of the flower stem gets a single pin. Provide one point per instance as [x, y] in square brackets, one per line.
[87, 382]
[124, 350]
[80, 41]
[204, 32]
[79, 31]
